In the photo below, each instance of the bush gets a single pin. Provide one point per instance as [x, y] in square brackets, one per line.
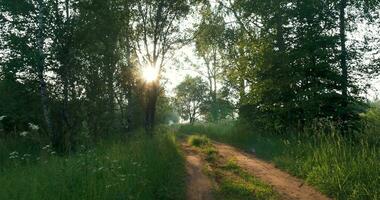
[198, 141]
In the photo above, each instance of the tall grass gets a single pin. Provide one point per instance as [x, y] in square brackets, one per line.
[141, 167]
[339, 167]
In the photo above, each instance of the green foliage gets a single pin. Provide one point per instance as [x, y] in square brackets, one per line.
[371, 119]
[286, 63]
[166, 112]
[190, 97]
[139, 167]
[340, 167]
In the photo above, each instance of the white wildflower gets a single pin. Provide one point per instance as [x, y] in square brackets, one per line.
[13, 155]
[46, 147]
[33, 127]
[24, 133]
[2, 117]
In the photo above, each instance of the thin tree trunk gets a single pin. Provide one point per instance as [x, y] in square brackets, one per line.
[66, 70]
[40, 71]
[343, 61]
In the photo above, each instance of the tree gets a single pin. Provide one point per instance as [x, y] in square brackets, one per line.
[190, 95]
[291, 61]
[69, 52]
[158, 22]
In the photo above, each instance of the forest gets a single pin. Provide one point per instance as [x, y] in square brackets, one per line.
[189, 99]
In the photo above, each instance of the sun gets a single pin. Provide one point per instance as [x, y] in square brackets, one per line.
[149, 73]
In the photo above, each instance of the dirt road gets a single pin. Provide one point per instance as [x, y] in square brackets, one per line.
[286, 185]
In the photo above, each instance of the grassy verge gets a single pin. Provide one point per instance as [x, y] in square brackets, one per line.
[232, 182]
[339, 167]
[140, 167]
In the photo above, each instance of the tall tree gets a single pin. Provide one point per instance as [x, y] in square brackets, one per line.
[158, 22]
[190, 96]
[209, 41]
[41, 69]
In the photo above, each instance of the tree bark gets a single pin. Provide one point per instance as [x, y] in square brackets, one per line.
[343, 61]
[40, 71]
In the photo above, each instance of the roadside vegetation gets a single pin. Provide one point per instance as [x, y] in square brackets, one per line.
[341, 167]
[230, 180]
[136, 167]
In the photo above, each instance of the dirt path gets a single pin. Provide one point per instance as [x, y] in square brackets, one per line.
[199, 186]
[286, 185]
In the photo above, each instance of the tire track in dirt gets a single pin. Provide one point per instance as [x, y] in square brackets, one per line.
[199, 186]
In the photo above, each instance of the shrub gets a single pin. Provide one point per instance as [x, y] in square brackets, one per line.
[198, 141]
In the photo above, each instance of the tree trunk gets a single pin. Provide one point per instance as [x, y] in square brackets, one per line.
[68, 129]
[40, 71]
[150, 112]
[343, 62]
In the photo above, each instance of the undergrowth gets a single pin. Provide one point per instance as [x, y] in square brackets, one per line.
[140, 167]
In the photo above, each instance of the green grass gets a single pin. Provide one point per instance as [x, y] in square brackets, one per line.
[198, 140]
[139, 167]
[231, 181]
[339, 167]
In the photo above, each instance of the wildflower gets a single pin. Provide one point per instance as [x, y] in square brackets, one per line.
[2, 117]
[13, 155]
[24, 133]
[33, 127]
[26, 155]
[46, 147]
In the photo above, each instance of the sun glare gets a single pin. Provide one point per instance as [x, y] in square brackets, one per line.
[150, 74]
